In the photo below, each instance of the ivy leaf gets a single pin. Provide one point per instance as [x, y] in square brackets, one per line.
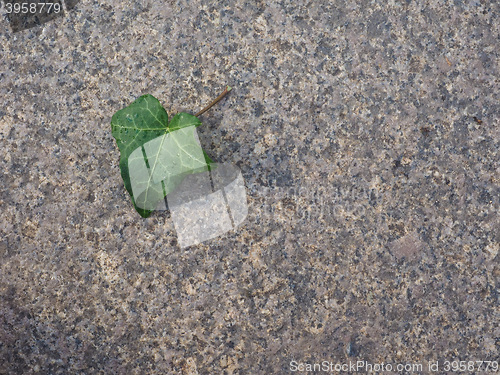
[155, 155]
[158, 166]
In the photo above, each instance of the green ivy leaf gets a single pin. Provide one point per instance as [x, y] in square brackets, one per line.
[155, 155]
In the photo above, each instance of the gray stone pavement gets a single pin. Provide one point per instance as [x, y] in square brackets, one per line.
[367, 133]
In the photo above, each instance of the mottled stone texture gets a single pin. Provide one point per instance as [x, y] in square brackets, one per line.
[367, 133]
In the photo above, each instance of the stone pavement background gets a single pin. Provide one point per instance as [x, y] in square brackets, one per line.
[367, 133]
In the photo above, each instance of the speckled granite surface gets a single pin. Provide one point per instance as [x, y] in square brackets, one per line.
[367, 134]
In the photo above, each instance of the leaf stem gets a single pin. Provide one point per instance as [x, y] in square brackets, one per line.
[217, 99]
